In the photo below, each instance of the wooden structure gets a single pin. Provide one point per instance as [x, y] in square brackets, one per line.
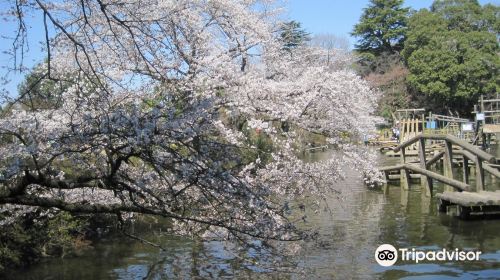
[413, 122]
[470, 203]
[442, 124]
[472, 196]
[490, 108]
[410, 123]
[487, 119]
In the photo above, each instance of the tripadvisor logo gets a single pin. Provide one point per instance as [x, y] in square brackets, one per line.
[387, 255]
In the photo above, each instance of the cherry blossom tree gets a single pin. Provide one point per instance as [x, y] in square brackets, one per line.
[148, 94]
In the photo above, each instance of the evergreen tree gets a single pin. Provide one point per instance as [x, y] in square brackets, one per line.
[382, 27]
[293, 35]
[452, 54]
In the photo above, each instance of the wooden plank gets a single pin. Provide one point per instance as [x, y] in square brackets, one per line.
[448, 163]
[425, 182]
[387, 177]
[493, 171]
[404, 176]
[486, 198]
[454, 140]
[405, 179]
[479, 175]
[471, 198]
[434, 159]
[438, 177]
[467, 154]
[449, 118]
[407, 143]
[471, 148]
[491, 100]
[431, 161]
[394, 117]
[391, 168]
[396, 176]
[491, 128]
[413, 133]
[465, 169]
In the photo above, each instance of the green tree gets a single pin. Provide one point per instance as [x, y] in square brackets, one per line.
[38, 91]
[452, 55]
[465, 15]
[382, 27]
[381, 33]
[293, 35]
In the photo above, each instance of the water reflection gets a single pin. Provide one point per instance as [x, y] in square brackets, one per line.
[349, 235]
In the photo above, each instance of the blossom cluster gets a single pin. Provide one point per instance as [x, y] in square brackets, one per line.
[143, 123]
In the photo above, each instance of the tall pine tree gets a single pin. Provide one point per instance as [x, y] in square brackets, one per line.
[293, 35]
[382, 27]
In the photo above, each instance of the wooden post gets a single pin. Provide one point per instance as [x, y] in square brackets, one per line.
[404, 198]
[438, 177]
[415, 130]
[410, 133]
[423, 123]
[479, 175]
[407, 129]
[448, 162]
[406, 184]
[430, 118]
[465, 168]
[404, 174]
[425, 181]
[425, 203]
[385, 189]
[402, 131]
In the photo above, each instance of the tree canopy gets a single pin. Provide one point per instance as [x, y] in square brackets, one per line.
[293, 35]
[382, 27]
[452, 54]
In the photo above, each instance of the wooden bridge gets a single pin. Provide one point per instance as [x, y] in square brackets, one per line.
[471, 200]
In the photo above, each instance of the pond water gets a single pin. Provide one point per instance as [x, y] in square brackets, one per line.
[360, 221]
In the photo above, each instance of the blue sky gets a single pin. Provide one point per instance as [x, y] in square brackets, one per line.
[339, 16]
[317, 16]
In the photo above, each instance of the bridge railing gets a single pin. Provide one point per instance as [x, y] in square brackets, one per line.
[468, 152]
